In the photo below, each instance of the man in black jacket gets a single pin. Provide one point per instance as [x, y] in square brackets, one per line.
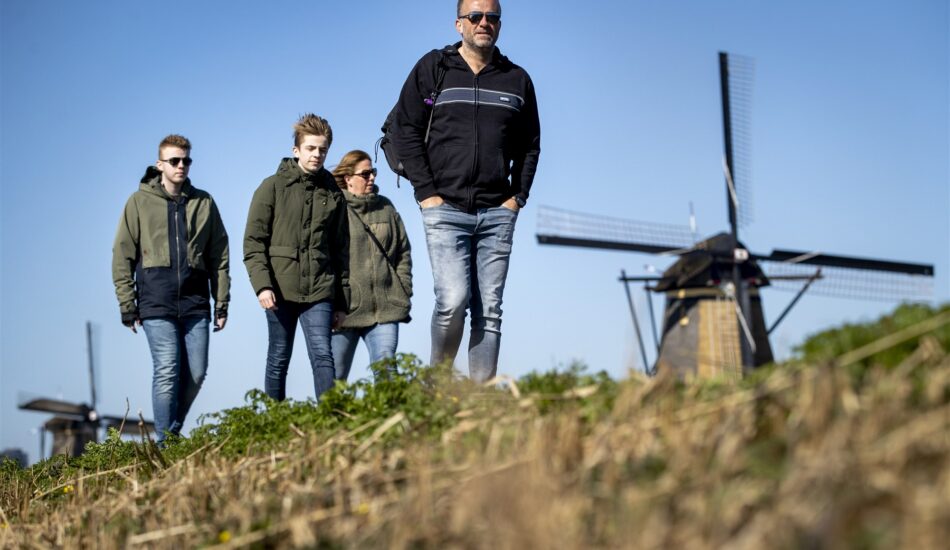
[471, 165]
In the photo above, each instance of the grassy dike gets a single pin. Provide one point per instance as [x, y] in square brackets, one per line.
[846, 446]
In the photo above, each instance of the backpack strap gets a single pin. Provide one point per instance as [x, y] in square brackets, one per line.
[439, 79]
[385, 141]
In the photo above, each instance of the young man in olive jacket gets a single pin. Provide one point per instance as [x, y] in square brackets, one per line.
[171, 246]
[467, 132]
[295, 250]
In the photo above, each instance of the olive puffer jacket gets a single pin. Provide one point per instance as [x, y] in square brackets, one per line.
[167, 252]
[296, 240]
[379, 294]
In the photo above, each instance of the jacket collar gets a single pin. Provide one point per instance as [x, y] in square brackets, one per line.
[452, 55]
[152, 181]
[291, 173]
[362, 203]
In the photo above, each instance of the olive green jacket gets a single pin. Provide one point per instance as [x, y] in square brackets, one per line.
[296, 241]
[377, 295]
[142, 240]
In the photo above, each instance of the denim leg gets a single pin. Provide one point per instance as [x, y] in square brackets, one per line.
[381, 341]
[316, 320]
[163, 343]
[448, 238]
[194, 366]
[490, 256]
[344, 344]
[281, 326]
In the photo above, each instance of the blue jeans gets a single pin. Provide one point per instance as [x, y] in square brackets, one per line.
[316, 320]
[381, 341]
[469, 254]
[180, 359]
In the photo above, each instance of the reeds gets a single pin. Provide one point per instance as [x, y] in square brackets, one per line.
[799, 456]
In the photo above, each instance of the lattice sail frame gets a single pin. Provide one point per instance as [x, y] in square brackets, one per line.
[843, 282]
[558, 222]
[741, 71]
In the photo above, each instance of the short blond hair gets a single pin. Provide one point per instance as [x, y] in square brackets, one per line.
[312, 125]
[174, 140]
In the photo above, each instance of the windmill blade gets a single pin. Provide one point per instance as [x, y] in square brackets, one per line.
[564, 227]
[851, 262]
[736, 74]
[848, 282]
[91, 363]
[56, 406]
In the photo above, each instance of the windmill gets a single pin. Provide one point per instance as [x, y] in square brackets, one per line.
[713, 322]
[76, 424]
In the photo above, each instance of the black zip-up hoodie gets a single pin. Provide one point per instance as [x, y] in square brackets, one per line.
[178, 290]
[485, 136]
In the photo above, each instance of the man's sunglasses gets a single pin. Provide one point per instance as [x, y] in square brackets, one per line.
[365, 174]
[475, 17]
[175, 161]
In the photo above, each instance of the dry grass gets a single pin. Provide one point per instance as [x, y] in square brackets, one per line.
[805, 457]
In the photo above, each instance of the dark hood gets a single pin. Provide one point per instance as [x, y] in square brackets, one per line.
[152, 182]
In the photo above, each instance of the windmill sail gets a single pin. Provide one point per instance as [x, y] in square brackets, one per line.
[736, 74]
[846, 282]
[55, 406]
[851, 276]
[852, 262]
[567, 228]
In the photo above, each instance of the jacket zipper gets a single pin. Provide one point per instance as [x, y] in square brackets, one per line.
[471, 200]
[178, 255]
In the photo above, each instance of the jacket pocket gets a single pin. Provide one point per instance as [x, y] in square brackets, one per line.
[283, 259]
[497, 169]
[451, 165]
[355, 299]
[396, 296]
[196, 260]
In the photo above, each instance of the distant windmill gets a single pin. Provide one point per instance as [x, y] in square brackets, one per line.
[76, 424]
[713, 323]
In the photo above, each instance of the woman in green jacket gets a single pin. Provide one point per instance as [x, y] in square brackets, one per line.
[380, 267]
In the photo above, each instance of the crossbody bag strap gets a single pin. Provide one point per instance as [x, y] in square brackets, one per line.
[382, 250]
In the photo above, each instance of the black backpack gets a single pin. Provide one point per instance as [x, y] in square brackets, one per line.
[386, 142]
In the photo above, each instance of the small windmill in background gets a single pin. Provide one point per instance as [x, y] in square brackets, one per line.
[713, 322]
[76, 424]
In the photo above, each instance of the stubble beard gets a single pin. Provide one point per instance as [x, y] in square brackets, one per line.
[472, 42]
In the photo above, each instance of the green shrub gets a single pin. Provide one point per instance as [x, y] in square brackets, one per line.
[830, 344]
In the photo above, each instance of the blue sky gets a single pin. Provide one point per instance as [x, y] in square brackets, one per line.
[850, 155]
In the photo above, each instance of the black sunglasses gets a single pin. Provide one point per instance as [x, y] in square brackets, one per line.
[175, 161]
[365, 174]
[475, 17]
